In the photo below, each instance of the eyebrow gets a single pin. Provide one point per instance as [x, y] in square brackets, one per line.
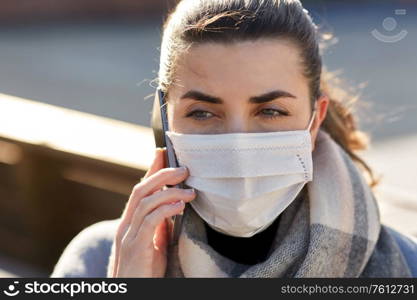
[199, 96]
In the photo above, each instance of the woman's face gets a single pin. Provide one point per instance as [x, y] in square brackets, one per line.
[251, 86]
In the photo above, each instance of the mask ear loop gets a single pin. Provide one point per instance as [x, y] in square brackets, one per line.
[312, 117]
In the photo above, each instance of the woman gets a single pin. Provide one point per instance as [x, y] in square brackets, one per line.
[251, 121]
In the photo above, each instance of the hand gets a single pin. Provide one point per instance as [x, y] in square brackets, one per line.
[142, 236]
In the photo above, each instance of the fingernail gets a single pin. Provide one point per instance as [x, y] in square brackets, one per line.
[190, 191]
[183, 169]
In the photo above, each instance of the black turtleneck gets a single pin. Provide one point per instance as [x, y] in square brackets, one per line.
[249, 251]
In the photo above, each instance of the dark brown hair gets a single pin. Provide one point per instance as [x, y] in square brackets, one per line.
[229, 21]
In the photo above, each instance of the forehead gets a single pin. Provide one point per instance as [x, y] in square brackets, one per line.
[241, 67]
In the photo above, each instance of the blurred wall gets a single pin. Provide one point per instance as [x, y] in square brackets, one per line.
[38, 10]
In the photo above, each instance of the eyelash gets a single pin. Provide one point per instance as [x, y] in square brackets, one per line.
[281, 113]
[193, 114]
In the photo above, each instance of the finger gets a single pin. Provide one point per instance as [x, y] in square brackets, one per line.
[161, 236]
[158, 162]
[151, 185]
[150, 203]
[170, 222]
[163, 241]
[156, 181]
[150, 223]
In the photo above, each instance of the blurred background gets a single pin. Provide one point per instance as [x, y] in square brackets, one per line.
[76, 91]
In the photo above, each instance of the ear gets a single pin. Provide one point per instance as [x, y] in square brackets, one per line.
[321, 112]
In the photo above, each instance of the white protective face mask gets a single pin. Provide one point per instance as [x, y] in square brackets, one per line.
[244, 181]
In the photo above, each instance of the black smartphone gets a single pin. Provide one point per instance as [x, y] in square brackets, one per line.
[160, 126]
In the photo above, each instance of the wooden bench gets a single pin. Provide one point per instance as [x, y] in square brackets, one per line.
[60, 171]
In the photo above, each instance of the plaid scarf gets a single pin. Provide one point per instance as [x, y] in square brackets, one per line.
[332, 229]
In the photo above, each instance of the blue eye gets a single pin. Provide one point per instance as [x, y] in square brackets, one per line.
[199, 115]
[273, 113]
